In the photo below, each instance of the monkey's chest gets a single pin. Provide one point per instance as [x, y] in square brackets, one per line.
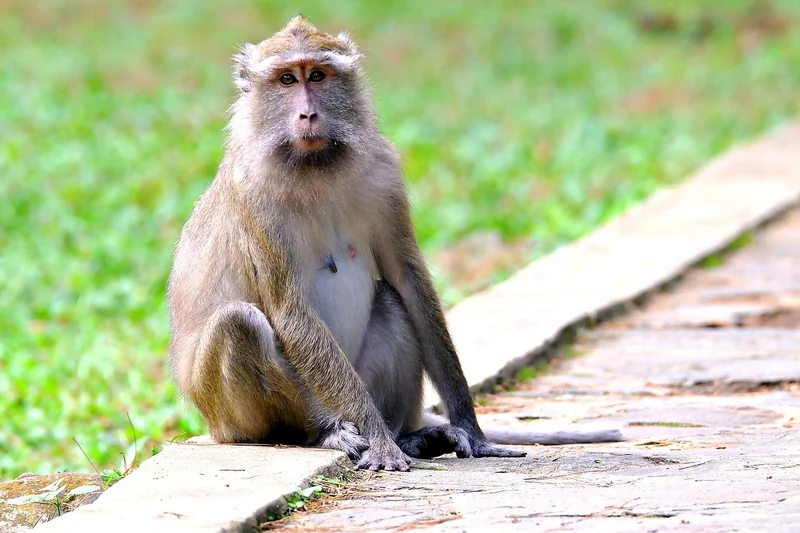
[343, 289]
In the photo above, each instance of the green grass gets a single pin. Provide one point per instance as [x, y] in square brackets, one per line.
[535, 120]
[717, 259]
[529, 373]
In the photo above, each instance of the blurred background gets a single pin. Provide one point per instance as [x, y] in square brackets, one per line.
[523, 126]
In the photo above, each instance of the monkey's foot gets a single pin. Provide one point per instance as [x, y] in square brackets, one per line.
[485, 448]
[344, 436]
[384, 456]
[430, 442]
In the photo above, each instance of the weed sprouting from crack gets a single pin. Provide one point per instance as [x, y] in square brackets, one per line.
[324, 489]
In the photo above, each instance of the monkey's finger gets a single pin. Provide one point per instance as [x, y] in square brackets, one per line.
[368, 464]
[380, 463]
[401, 466]
[402, 463]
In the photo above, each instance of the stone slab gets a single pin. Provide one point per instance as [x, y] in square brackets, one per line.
[202, 487]
[18, 517]
[579, 489]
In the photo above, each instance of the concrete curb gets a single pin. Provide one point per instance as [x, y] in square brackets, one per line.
[201, 486]
[193, 487]
[517, 322]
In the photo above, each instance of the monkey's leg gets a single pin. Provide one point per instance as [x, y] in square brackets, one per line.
[247, 392]
[239, 382]
[390, 364]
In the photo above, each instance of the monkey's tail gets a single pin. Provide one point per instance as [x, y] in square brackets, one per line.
[577, 436]
[517, 437]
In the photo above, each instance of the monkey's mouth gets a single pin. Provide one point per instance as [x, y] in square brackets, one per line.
[310, 151]
[311, 144]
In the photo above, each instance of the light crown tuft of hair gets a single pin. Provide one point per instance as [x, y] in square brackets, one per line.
[302, 36]
[299, 40]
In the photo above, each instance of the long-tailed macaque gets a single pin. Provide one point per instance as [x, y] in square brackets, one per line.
[302, 311]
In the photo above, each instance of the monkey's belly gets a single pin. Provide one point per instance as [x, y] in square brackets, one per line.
[342, 295]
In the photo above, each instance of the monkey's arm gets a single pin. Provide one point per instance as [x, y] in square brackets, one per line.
[402, 265]
[315, 356]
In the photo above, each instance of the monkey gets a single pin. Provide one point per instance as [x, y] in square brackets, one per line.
[301, 308]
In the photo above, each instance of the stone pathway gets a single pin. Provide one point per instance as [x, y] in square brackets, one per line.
[704, 379]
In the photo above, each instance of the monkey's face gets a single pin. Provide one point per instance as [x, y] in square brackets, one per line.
[308, 109]
[303, 97]
[309, 112]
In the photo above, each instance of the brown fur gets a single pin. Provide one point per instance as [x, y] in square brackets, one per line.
[299, 34]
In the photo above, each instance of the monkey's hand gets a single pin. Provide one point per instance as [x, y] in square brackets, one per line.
[384, 454]
[484, 448]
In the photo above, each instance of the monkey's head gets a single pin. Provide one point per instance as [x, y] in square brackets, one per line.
[303, 98]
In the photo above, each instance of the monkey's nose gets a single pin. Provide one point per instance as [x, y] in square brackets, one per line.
[311, 117]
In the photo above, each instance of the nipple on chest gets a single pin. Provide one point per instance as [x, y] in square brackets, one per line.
[330, 263]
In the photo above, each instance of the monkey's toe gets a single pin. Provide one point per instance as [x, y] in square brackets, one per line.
[487, 449]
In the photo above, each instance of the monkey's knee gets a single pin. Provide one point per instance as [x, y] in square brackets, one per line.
[237, 347]
[237, 373]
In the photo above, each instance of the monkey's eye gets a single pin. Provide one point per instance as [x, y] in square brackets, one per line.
[316, 76]
[288, 79]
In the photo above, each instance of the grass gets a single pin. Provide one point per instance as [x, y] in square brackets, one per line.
[529, 373]
[717, 259]
[324, 489]
[531, 121]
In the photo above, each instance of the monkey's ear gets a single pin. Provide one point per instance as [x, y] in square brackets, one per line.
[349, 44]
[242, 75]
